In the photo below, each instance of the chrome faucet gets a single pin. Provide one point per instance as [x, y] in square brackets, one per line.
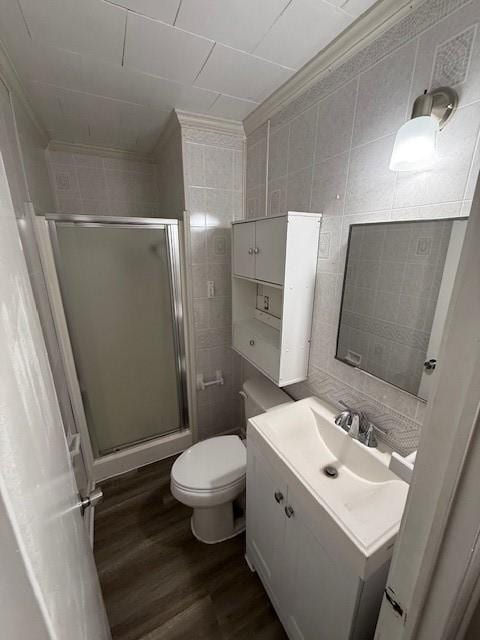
[357, 425]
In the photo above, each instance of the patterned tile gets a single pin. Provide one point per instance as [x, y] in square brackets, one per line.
[413, 24]
[400, 432]
[213, 138]
[452, 59]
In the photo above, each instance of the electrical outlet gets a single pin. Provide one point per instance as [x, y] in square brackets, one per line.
[266, 303]
[210, 289]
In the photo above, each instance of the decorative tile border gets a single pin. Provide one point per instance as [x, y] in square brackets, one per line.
[426, 15]
[212, 138]
[402, 433]
[405, 336]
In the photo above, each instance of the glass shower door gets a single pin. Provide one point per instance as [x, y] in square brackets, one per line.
[121, 305]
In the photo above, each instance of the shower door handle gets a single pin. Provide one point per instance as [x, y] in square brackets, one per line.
[93, 498]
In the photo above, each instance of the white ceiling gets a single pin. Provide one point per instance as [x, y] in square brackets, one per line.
[109, 72]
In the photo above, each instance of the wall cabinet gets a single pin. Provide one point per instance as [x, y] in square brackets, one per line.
[273, 284]
[259, 249]
[314, 593]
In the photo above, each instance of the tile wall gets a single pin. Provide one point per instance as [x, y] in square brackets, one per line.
[94, 185]
[329, 150]
[214, 168]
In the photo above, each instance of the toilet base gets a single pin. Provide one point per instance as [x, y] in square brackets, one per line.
[216, 524]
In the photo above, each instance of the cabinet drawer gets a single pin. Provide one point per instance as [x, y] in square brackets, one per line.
[259, 351]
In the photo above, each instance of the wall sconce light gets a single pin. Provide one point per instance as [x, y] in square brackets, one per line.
[414, 147]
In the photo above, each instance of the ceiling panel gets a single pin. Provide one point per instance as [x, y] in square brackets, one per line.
[36, 61]
[237, 23]
[170, 95]
[357, 7]
[110, 71]
[97, 120]
[150, 127]
[86, 26]
[164, 10]
[12, 24]
[128, 84]
[47, 103]
[232, 108]
[115, 81]
[241, 75]
[164, 51]
[305, 27]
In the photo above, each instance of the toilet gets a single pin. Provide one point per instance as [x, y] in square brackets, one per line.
[210, 475]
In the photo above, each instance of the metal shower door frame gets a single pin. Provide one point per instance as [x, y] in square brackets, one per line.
[170, 226]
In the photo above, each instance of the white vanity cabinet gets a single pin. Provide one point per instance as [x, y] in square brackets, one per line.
[273, 284]
[317, 596]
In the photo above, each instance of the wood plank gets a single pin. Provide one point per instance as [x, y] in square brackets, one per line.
[159, 582]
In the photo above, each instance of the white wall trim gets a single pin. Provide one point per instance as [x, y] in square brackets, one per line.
[381, 17]
[12, 81]
[97, 150]
[219, 125]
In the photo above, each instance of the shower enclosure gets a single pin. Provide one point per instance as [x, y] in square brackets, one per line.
[120, 287]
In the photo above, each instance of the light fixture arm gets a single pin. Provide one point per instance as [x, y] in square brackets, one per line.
[440, 104]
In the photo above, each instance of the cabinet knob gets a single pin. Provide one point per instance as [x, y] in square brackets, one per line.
[278, 496]
[250, 252]
[289, 511]
[252, 342]
[256, 250]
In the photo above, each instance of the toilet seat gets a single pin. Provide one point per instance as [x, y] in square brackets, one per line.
[212, 466]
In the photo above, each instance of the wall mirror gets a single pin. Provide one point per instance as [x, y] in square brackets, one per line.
[397, 287]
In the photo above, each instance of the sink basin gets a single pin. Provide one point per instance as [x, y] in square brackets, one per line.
[365, 499]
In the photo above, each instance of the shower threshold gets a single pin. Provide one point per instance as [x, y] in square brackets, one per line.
[134, 443]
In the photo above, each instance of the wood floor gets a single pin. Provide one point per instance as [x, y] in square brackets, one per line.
[159, 583]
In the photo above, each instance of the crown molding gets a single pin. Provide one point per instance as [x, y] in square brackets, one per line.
[381, 17]
[97, 150]
[210, 123]
[11, 80]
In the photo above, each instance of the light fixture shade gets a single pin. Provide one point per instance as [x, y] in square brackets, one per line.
[414, 147]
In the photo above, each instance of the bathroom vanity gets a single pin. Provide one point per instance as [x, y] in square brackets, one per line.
[323, 511]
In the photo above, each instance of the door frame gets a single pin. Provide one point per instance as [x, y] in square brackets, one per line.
[436, 561]
[152, 450]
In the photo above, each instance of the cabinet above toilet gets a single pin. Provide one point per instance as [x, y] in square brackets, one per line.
[274, 264]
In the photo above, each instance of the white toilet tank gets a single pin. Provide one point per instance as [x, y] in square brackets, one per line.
[260, 395]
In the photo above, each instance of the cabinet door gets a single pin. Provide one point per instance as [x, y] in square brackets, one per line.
[243, 249]
[266, 499]
[270, 244]
[322, 596]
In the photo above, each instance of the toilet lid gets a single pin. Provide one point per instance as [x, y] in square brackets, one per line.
[211, 464]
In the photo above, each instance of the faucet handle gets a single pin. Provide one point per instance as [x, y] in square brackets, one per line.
[368, 437]
[343, 420]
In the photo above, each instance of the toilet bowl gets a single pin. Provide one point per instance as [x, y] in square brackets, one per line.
[210, 476]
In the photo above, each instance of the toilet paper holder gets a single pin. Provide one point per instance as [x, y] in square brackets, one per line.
[202, 385]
